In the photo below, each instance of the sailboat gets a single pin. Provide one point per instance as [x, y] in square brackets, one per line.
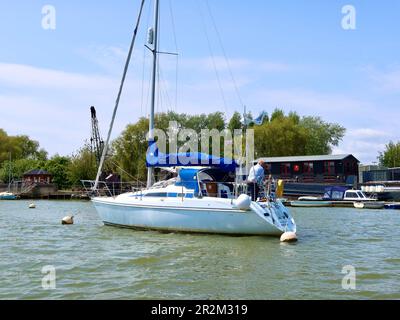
[203, 198]
[8, 195]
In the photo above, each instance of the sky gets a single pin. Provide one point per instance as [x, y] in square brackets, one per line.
[294, 55]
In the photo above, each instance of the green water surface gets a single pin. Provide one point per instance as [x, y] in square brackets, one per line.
[93, 261]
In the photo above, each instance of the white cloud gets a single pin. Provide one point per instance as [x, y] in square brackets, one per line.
[366, 151]
[16, 75]
[368, 133]
[236, 65]
[307, 102]
[386, 81]
[275, 67]
[53, 106]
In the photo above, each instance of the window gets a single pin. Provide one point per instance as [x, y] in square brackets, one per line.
[337, 195]
[285, 169]
[361, 195]
[308, 167]
[352, 195]
[329, 167]
[156, 194]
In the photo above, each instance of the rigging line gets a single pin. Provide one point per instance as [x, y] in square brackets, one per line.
[164, 85]
[105, 149]
[213, 59]
[148, 93]
[224, 52]
[177, 56]
[122, 169]
[159, 106]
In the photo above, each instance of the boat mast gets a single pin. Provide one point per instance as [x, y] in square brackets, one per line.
[154, 39]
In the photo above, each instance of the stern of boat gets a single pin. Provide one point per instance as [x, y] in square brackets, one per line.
[276, 214]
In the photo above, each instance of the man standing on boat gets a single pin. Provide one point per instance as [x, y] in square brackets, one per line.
[256, 178]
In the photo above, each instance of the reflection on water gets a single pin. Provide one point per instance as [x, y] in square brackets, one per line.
[97, 262]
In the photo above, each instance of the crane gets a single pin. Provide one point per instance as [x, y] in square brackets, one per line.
[96, 141]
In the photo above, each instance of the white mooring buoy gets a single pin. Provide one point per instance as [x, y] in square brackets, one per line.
[68, 220]
[32, 206]
[289, 237]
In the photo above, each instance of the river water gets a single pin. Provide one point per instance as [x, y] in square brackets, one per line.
[92, 261]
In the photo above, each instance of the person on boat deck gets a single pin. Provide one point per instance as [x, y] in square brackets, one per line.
[255, 178]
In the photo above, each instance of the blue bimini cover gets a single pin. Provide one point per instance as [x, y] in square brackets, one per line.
[335, 193]
[188, 179]
[189, 159]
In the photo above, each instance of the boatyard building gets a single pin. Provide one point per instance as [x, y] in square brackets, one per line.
[315, 169]
[38, 176]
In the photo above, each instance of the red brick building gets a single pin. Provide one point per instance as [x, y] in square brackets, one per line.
[38, 176]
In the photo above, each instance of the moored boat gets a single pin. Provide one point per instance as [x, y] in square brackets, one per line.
[392, 206]
[196, 202]
[207, 196]
[7, 196]
[311, 203]
[369, 205]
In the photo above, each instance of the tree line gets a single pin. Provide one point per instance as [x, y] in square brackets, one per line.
[279, 134]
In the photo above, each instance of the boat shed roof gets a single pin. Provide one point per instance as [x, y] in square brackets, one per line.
[331, 157]
[37, 172]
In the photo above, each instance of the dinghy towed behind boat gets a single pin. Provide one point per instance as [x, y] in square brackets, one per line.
[195, 201]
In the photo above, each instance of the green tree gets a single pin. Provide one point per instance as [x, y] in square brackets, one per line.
[236, 122]
[20, 147]
[391, 156]
[19, 167]
[277, 114]
[280, 137]
[82, 166]
[130, 150]
[322, 136]
[59, 166]
[291, 135]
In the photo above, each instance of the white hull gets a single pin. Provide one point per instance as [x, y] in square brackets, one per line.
[7, 196]
[369, 205]
[311, 204]
[207, 215]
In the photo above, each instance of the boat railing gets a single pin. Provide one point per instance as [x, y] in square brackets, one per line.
[232, 190]
[210, 188]
[109, 189]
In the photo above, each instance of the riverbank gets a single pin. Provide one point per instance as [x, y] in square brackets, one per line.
[59, 195]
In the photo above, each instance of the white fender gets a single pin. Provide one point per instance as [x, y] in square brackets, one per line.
[243, 202]
[289, 237]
